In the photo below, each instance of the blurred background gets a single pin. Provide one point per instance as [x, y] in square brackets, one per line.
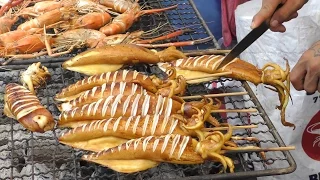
[210, 10]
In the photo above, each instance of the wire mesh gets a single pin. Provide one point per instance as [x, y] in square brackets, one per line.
[27, 155]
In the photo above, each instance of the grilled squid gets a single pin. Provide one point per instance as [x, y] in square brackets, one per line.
[112, 57]
[147, 152]
[108, 133]
[130, 105]
[120, 105]
[270, 74]
[99, 92]
[124, 88]
[152, 83]
[35, 76]
[25, 107]
[76, 89]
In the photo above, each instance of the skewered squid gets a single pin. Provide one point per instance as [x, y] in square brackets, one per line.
[131, 105]
[25, 107]
[147, 152]
[270, 74]
[74, 90]
[152, 84]
[108, 133]
[123, 88]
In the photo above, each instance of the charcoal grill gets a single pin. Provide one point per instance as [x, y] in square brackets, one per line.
[27, 155]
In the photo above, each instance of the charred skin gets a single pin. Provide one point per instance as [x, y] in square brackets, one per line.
[74, 90]
[25, 107]
[120, 105]
[104, 91]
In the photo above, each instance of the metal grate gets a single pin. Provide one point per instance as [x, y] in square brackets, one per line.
[27, 155]
[184, 16]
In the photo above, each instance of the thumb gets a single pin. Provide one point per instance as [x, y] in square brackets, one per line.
[266, 11]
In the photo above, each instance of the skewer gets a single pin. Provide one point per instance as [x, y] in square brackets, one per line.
[215, 95]
[206, 52]
[233, 128]
[209, 76]
[257, 149]
[251, 110]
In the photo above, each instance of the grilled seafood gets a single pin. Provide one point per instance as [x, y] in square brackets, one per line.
[147, 152]
[108, 133]
[40, 8]
[48, 18]
[152, 84]
[112, 57]
[82, 6]
[94, 20]
[125, 88]
[35, 76]
[90, 38]
[24, 47]
[270, 74]
[74, 90]
[120, 6]
[124, 21]
[6, 22]
[11, 37]
[7, 6]
[99, 92]
[24, 106]
[120, 105]
[130, 105]
[9, 18]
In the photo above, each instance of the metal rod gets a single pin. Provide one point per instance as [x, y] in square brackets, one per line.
[251, 110]
[215, 95]
[206, 52]
[210, 76]
[226, 128]
[252, 149]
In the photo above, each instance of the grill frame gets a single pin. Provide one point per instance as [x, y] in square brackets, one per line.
[34, 146]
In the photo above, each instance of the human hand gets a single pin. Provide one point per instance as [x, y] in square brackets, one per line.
[287, 12]
[305, 74]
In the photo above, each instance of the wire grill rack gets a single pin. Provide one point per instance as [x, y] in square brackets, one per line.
[27, 155]
[184, 16]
